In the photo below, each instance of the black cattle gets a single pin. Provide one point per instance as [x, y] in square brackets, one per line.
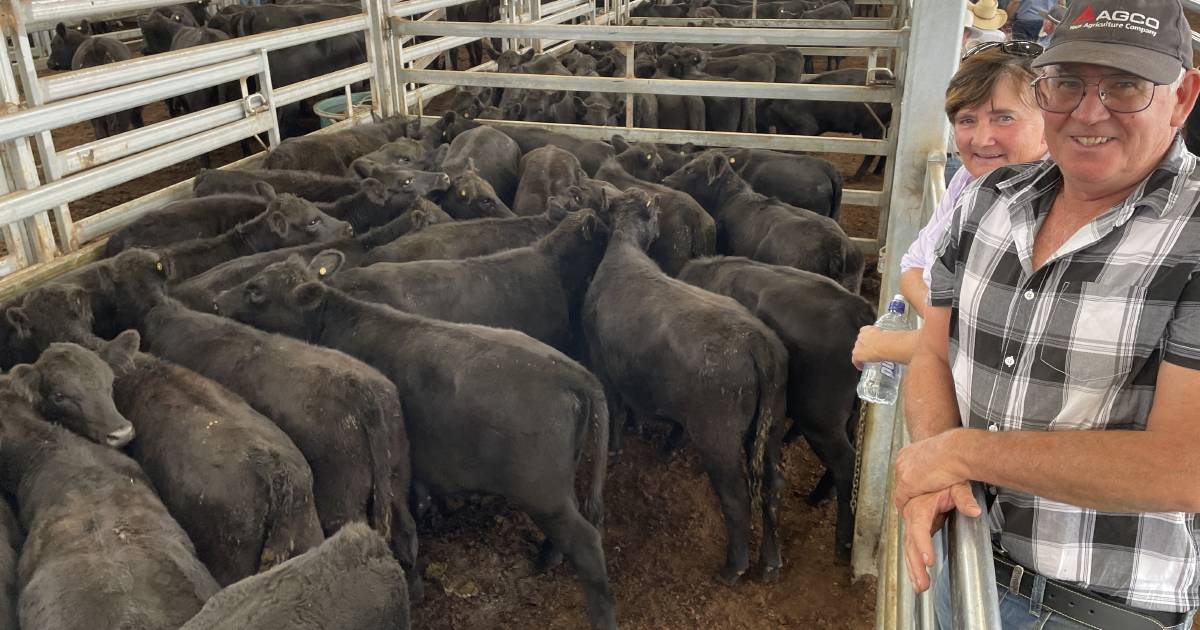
[813, 118]
[158, 29]
[686, 231]
[332, 153]
[157, 39]
[10, 548]
[591, 153]
[767, 230]
[674, 10]
[401, 153]
[198, 291]
[270, 17]
[236, 483]
[471, 196]
[535, 289]
[803, 181]
[670, 350]
[344, 416]
[287, 221]
[311, 186]
[384, 195]
[818, 321]
[675, 111]
[720, 113]
[487, 410]
[63, 45]
[62, 385]
[102, 550]
[495, 156]
[187, 219]
[350, 581]
[466, 239]
[545, 172]
[97, 51]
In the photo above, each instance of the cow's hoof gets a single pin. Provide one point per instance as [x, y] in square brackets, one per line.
[416, 591]
[843, 551]
[548, 558]
[729, 577]
[614, 457]
[770, 574]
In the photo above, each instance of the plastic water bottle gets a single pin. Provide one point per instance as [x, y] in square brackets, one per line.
[880, 382]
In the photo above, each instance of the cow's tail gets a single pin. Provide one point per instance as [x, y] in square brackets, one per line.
[768, 404]
[291, 525]
[379, 433]
[835, 178]
[596, 408]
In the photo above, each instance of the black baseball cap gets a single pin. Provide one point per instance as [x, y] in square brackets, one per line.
[1147, 38]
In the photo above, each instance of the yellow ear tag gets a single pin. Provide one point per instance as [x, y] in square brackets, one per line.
[158, 266]
[649, 157]
[733, 160]
[321, 271]
[462, 193]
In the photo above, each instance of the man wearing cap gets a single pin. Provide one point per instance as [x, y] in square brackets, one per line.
[1027, 17]
[1050, 20]
[1060, 356]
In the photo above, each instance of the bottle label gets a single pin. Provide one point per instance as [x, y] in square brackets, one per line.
[888, 368]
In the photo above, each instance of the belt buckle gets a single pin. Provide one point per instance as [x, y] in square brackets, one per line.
[1014, 581]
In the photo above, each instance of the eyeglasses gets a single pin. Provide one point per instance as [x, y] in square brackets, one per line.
[1119, 94]
[1016, 48]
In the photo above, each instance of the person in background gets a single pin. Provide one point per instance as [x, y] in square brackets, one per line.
[1060, 355]
[982, 25]
[1050, 20]
[1027, 17]
[995, 120]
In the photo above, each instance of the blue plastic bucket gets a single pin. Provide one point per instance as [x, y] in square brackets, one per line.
[333, 109]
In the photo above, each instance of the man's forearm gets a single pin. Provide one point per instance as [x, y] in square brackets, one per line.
[1111, 471]
[930, 405]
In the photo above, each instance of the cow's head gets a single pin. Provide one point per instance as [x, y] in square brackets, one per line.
[635, 217]
[472, 197]
[269, 300]
[63, 46]
[289, 221]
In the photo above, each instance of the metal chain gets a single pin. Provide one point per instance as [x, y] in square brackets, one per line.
[858, 453]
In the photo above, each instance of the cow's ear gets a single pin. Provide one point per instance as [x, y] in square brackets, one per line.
[580, 106]
[119, 352]
[619, 143]
[61, 30]
[85, 27]
[471, 165]
[373, 189]
[277, 223]
[449, 117]
[418, 220]
[309, 295]
[439, 156]
[264, 190]
[589, 227]
[527, 56]
[19, 320]
[326, 263]
[25, 381]
[363, 168]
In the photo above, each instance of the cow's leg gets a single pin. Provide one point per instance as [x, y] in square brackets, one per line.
[823, 489]
[862, 168]
[879, 164]
[833, 447]
[674, 439]
[724, 468]
[617, 415]
[772, 491]
[580, 543]
[404, 539]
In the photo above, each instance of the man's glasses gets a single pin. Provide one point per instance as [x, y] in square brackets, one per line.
[1016, 48]
[1121, 94]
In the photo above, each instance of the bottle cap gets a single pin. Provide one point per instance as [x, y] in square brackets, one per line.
[897, 304]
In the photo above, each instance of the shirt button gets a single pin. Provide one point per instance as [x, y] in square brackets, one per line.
[1029, 294]
[993, 427]
[1009, 361]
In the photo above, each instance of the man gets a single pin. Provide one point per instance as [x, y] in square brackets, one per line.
[1050, 20]
[1064, 334]
[1027, 17]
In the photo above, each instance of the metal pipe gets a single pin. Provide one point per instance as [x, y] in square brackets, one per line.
[861, 23]
[18, 205]
[47, 13]
[319, 85]
[681, 87]
[435, 46]
[8, 264]
[413, 7]
[88, 155]
[677, 34]
[972, 574]
[90, 80]
[81, 108]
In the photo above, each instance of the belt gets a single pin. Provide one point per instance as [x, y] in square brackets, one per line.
[1082, 607]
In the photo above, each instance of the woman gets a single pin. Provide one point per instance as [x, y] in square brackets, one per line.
[996, 121]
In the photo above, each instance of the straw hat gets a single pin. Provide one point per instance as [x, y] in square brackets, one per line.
[986, 14]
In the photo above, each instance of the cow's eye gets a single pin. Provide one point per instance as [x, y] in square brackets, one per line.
[315, 222]
[408, 182]
[578, 199]
[486, 202]
[175, 17]
[58, 398]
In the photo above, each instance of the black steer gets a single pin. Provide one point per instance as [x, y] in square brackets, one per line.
[10, 549]
[465, 239]
[545, 172]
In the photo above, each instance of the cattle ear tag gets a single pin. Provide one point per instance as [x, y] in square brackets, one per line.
[322, 271]
[462, 193]
[733, 160]
[158, 266]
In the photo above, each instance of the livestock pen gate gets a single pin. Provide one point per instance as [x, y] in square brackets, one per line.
[918, 42]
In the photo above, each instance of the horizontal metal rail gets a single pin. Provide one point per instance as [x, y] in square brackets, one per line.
[680, 87]
[88, 80]
[413, 7]
[858, 197]
[972, 575]
[66, 112]
[47, 13]
[678, 34]
[319, 85]
[25, 203]
[86, 156]
[432, 47]
[860, 23]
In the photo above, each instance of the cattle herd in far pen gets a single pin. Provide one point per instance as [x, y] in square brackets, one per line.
[239, 417]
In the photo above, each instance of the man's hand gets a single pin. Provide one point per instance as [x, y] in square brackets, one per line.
[927, 466]
[867, 346]
[923, 516]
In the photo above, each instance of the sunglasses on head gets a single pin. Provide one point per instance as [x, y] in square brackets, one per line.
[1016, 48]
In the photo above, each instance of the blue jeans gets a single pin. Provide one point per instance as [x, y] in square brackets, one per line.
[1027, 29]
[1018, 612]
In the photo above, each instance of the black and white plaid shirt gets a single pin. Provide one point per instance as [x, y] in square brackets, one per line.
[1076, 345]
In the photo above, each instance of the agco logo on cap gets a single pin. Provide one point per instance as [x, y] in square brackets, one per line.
[1129, 20]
